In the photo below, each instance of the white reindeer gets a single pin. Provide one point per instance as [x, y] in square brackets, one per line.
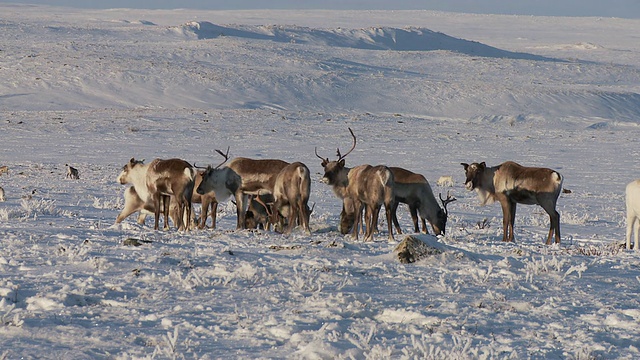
[169, 180]
[632, 198]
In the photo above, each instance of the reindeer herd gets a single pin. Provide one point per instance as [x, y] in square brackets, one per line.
[271, 192]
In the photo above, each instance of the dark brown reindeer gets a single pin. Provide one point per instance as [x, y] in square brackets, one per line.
[171, 179]
[363, 187]
[414, 190]
[511, 184]
[258, 215]
[291, 190]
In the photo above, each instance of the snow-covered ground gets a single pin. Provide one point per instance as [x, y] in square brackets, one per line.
[422, 90]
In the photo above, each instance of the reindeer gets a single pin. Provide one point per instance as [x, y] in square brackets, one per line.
[258, 215]
[222, 183]
[414, 190]
[632, 199]
[72, 173]
[2, 197]
[134, 202]
[511, 184]
[171, 179]
[365, 187]
[291, 189]
[256, 177]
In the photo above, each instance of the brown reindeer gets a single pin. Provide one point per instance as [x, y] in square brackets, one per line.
[291, 190]
[511, 184]
[258, 215]
[258, 177]
[414, 190]
[162, 179]
[363, 187]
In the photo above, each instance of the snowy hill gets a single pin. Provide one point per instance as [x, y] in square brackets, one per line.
[421, 90]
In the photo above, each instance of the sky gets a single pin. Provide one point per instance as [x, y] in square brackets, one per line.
[612, 8]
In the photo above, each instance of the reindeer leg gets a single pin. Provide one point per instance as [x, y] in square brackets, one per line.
[130, 208]
[204, 213]
[554, 221]
[394, 217]
[156, 204]
[635, 236]
[413, 210]
[375, 213]
[387, 212]
[358, 219]
[512, 221]
[214, 213]
[631, 221]
[240, 210]
[506, 218]
[166, 203]
[425, 230]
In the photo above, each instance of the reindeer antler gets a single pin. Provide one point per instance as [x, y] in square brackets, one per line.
[446, 201]
[340, 157]
[321, 158]
[225, 156]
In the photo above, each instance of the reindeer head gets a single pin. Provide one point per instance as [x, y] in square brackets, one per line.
[332, 169]
[473, 174]
[440, 225]
[212, 176]
[127, 169]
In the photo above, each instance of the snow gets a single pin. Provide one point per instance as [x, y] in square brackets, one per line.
[422, 90]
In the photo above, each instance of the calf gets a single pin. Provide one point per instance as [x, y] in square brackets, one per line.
[511, 184]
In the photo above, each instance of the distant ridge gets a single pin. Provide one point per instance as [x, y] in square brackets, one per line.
[373, 38]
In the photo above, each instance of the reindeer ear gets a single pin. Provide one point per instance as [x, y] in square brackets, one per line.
[465, 165]
[132, 161]
[341, 163]
[325, 162]
[483, 165]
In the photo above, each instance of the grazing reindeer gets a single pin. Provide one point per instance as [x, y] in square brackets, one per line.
[512, 184]
[363, 186]
[414, 190]
[258, 215]
[632, 199]
[292, 188]
[72, 173]
[164, 180]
